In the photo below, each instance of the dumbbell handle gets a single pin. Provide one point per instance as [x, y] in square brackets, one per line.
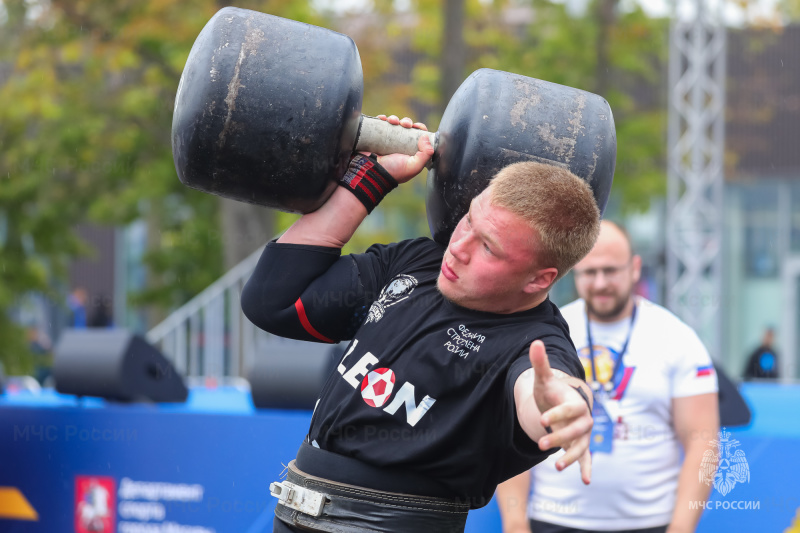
[380, 137]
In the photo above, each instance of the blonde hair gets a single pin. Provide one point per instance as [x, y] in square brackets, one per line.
[557, 204]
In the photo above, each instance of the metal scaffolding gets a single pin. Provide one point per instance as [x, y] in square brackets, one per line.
[696, 138]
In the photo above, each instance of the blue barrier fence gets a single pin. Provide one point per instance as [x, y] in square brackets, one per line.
[75, 465]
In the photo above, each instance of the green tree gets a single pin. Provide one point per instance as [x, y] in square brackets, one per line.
[91, 85]
[87, 89]
[617, 53]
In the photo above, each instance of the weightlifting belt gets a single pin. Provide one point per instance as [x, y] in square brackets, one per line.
[315, 504]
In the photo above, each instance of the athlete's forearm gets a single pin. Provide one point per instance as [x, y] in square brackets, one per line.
[331, 225]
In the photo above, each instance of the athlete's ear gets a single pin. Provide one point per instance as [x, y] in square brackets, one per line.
[541, 280]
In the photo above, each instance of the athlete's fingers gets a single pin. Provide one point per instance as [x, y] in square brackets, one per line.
[564, 436]
[424, 145]
[572, 453]
[541, 366]
[586, 467]
[420, 126]
[566, 412]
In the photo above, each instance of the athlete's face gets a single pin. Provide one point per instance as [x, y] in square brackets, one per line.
[606, 277]
[488, 263]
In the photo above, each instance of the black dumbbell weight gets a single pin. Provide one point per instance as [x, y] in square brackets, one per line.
[268, 111]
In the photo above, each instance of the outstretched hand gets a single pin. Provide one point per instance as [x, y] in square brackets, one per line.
[564, 411]
[403, 167]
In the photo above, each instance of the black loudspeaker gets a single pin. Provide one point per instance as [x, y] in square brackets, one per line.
[289, 374]
[733, 411]
[114, 364]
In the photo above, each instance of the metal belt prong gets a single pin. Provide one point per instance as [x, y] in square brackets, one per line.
[299, 498]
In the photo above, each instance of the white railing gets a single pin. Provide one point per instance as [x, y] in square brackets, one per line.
[209, 335]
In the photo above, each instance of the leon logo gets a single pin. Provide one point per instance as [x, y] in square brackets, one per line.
[377, 386]
[94, 504]
[726, 467]
[395, 292]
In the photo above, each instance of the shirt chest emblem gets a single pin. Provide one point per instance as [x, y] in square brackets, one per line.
[397, 290]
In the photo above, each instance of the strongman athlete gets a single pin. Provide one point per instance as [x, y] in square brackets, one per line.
[460, 372]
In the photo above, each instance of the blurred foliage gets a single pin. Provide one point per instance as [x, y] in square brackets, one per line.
[536, 38]
[544, 40]
[789, 10]
[88, 86]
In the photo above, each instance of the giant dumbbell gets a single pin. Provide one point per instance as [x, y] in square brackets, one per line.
[268, 111]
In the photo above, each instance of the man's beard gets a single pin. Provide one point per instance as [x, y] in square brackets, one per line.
[614, 312]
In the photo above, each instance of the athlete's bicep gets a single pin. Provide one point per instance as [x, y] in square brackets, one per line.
[304, 292]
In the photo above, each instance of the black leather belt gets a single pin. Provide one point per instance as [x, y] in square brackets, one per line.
[315, 504]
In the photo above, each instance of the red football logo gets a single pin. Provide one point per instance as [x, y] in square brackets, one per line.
[377, 386]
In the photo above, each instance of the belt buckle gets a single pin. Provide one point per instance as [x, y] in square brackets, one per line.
[305, 500]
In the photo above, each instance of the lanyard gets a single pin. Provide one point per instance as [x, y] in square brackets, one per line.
[610, 385]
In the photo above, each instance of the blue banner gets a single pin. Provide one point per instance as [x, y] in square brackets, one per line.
[86, 465]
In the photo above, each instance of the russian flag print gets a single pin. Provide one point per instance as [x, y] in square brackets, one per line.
[705, 370]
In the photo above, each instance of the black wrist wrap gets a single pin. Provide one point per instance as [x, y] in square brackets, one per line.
[584, 396]
[367, 180]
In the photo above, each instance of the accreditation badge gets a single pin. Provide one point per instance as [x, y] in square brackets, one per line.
[602, 438]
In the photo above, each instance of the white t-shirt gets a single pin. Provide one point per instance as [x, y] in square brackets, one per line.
[634, 486]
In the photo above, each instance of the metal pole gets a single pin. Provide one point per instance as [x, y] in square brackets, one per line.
[695, 169]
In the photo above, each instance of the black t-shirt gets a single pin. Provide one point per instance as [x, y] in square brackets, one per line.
[427, 385]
